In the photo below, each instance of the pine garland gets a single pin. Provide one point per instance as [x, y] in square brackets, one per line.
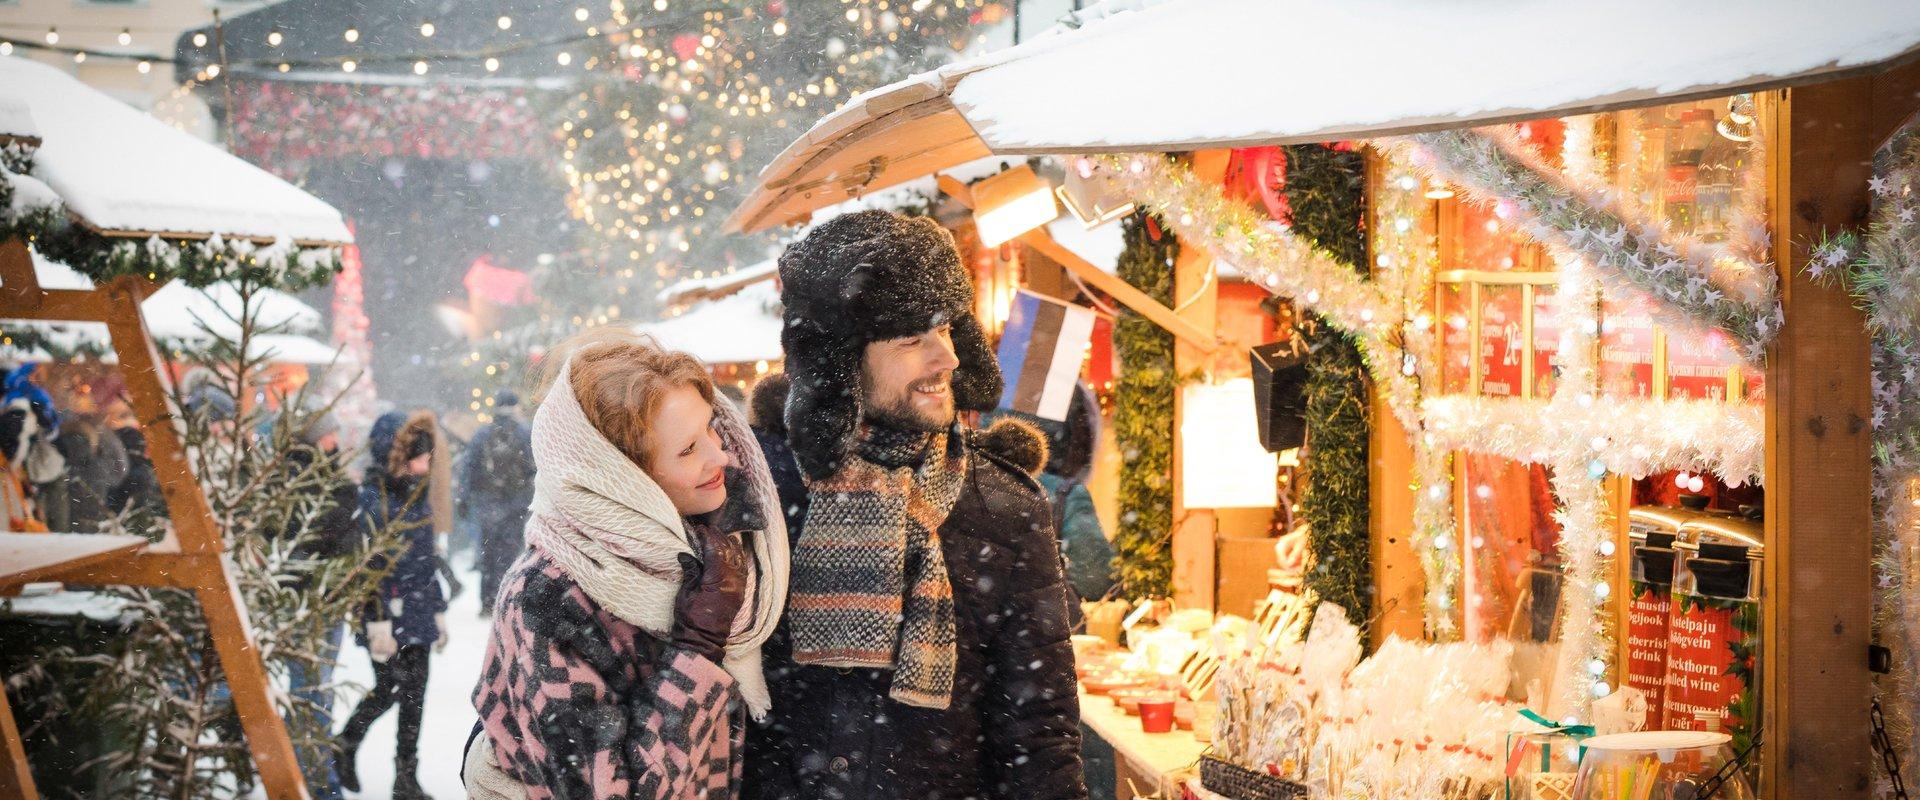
[42, 221]
[1326, 190]
[1143, 416]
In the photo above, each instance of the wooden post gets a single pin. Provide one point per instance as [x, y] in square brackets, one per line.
[1399, 582]
[1818, 563]
[1196, 294]
[16, 782]
[220, 599]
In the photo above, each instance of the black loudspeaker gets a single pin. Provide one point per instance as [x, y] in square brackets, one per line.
[1280, 394]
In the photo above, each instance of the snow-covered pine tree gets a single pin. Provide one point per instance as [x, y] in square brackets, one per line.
[160, 687]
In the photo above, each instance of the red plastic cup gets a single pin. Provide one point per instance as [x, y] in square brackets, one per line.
[1156, 715]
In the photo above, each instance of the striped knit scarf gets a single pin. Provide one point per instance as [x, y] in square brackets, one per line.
[870, 584]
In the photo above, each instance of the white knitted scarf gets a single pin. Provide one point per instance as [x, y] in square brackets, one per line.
[606, 523]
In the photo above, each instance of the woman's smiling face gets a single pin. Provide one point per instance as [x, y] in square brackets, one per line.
[685, 456]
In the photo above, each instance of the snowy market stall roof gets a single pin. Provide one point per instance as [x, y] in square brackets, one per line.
[740, 328]
[1407, 66]
[121, 172]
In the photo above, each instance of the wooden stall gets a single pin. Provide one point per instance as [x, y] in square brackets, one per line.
[135, 205]
[1602, 297]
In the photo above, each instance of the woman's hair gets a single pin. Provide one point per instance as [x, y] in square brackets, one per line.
[618, 377]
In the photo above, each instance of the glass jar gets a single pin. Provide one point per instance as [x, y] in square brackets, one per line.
[1658, 765]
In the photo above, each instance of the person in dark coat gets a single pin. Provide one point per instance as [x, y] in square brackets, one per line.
[335, 532]
[1069, 460]
[407, 617]
[924, 654]
[497, 479]
[96, 463]
[140, 490]
[767, 405]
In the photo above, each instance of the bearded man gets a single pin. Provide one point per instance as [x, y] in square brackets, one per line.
[925, 652]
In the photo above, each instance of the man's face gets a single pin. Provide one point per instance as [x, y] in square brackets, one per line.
[908, 382]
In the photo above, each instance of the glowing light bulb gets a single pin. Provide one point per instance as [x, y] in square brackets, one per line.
[351, 35]
[126, 37]
[419, 67]
[504, 22]
[426, 29]
[564, 58]
[348, 65]
[274, 38]
[493, 64]
[1601, 590]
[580, 15]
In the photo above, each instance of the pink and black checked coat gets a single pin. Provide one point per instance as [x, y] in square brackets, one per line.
[579, 704]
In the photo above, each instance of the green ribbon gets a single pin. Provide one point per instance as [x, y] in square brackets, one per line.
[1575, 732]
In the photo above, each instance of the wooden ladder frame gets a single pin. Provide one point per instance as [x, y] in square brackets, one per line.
[194, 558]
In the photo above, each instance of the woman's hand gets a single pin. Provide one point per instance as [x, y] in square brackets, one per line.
[712, 588]
[380, 642]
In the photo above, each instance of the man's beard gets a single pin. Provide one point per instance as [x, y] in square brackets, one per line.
[898, 412]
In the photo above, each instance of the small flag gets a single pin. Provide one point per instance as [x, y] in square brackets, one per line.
[1041, 349]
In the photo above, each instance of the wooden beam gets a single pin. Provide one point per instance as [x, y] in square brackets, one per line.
[220, 599]
[1196, 296]
[19, 286]
[16, 781]
[1188, 333]
[1818, 568]
[960, 192]
[171, 570]
[1398, 580]
[1039, 239]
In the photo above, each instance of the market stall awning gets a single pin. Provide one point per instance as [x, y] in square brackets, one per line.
[1189, 74]
[123, 172]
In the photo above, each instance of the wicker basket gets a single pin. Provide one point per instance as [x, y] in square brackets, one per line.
[1235, 781]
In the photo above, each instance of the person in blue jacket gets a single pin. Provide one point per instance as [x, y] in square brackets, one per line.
[406, 619]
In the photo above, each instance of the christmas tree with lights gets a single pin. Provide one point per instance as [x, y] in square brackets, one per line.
[678, 114]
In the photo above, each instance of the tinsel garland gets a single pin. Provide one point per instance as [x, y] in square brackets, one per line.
[1635, 438]
[1406, 254]
[1695, 286]
[1326, 191]
[1283, 263]
[1143, 400]
[31, 212]
[1881, 269]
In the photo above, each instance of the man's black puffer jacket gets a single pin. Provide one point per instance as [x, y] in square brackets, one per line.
[1013, 728]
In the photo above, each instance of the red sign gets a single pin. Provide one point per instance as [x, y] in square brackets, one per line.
[1626, 348]
[1546, 341]
[1698, 364]
[1709, 662]
[1502, 341]
[1648, 615]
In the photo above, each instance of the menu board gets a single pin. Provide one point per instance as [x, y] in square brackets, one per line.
[1649, 615]
[1698, 365]
[1546, 342]
[1711, 647]
[1502, 340]
[1626, 347]
[1456, 338]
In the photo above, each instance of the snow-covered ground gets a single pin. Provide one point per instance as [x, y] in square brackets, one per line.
[450, 712]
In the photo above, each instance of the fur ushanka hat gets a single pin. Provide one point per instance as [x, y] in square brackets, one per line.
[868, 277]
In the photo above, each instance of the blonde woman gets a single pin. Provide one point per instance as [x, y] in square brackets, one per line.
[625, 651]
